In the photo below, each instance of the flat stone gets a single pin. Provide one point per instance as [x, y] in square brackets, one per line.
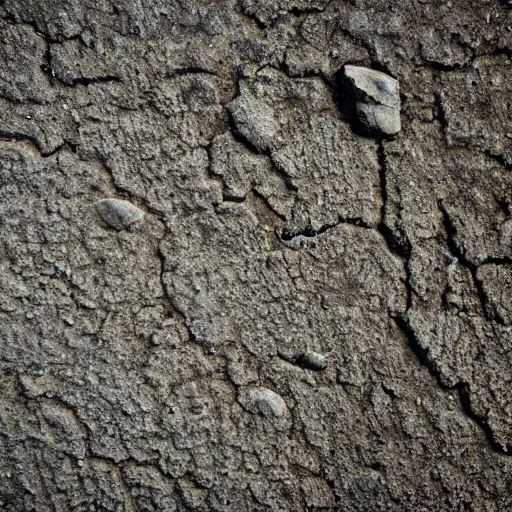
[263, 401]
[372, 100]
[119, 214]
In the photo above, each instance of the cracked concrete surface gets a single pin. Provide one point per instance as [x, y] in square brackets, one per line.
[305, 318]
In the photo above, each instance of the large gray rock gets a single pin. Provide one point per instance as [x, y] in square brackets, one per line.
[372, 99]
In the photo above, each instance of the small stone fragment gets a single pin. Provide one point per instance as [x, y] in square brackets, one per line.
[371, 100]
[119, 214]
[263, 401]
[312, 361]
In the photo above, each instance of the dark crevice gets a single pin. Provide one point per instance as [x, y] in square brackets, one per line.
[262, 198]
[504, 205]
[301, 12]
[22, 101]
[46, 67]
[288, 234]
[11, 20]
[227, 197]
[461, 387]
[420, 352]
[355, 221]
[507, 52]
[260, 24]
[88, 81]
[390, 392]
[34, 141]
[167, 297]
[440, 113]
[468, 64]
[381, 157]
[284, 68]
[239, 137]
[465, 400]
[505, 260]
[237, 79]
[438, 66]
[23, 137]
[460, 256]
[128, 194]
[400, 247]
[500, 159]
[207, 346]
[189, 71]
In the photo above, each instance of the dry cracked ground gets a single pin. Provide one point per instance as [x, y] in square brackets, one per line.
[217, 294]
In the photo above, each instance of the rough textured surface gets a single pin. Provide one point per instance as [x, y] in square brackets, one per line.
[307, 318]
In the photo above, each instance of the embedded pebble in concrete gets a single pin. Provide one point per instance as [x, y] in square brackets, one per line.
[263, 401]
[312, 361]
[371, 100]
[119, 214]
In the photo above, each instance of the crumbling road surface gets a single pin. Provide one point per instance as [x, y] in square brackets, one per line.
[255, 255]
